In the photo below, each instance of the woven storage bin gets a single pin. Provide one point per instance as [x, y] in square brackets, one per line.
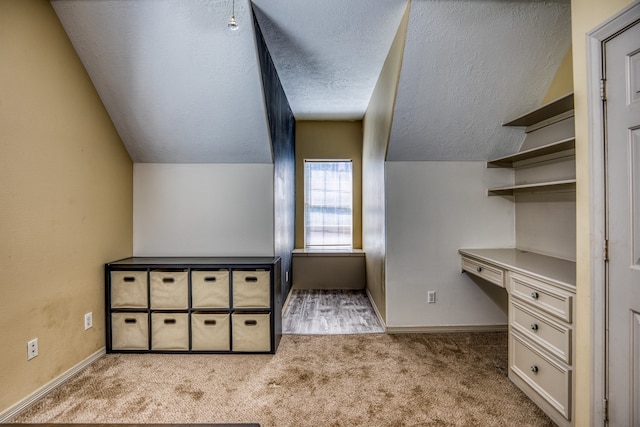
[129, 331]
[251, 332]
[210, 289]
[169, 331]
[251, 289]
[129, 289]
[169, 290]
[210, 332]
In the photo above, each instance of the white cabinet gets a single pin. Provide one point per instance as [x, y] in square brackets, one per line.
[539, 279]
[541, 292]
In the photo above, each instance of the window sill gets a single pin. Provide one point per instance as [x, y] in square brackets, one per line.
[329, 252]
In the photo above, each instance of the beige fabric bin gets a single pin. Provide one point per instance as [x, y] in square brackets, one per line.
[210, 331]
[129, 289]
[251, 289]
[210, 289]
[169, 290]
[169, 331]
[129, 331]
[251, 331]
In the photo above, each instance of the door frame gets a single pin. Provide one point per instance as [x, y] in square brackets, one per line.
[598, 227]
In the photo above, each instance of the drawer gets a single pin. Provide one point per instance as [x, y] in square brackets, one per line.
[129, 289]
[169, 290]
[210, 289]
[251, 288]
[543, 296]
[551, 380]
[210, 331]
[488, 272]
[552, 336]
[251, 332]
[129, 331]
[169, 331]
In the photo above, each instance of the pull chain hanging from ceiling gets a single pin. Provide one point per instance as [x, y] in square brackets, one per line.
[233, 25]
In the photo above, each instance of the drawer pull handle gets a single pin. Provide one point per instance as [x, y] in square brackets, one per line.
[130, 320]
[479, 269]
[129, 279]
[534, 369]
[210, 322]
[251, 322]
[168, 280]
[251, 279]
[535, 295]
[169, 321]
[210, 279]
[534, 326]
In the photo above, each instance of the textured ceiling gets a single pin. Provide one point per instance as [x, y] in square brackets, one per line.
[468, 67]
[181, 87]
[329, 53]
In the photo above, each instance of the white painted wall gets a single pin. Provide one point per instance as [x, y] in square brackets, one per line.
[203, 209]
[433, 209]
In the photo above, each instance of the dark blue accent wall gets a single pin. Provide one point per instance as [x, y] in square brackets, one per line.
[282, 131]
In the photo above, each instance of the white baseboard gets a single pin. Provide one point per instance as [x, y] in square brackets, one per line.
[28, 401]
[445, 329]
[375, 308]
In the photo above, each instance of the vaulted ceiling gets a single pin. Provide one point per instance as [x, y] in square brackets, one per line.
[181, 87]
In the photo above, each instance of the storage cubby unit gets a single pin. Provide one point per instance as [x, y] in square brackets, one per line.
[539, 273]
[193, 305]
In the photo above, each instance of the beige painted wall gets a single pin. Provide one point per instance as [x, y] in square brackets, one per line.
[562, 82]
[377, 130]
[329, 140]
[585, 15]
[65, 201]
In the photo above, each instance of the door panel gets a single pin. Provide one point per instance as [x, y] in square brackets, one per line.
[622, 69]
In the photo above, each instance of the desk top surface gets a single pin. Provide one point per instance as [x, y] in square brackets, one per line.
[545, 267]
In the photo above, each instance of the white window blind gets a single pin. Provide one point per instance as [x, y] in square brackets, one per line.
[328, 204]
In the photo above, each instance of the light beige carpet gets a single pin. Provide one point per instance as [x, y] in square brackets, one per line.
[332, 380]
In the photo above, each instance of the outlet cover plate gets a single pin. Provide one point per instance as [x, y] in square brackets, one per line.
[32, 348]
[88, 320]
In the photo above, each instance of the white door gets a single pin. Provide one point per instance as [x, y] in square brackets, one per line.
[622, 74]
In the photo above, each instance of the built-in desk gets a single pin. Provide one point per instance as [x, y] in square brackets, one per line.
[559, 271]
[541, 293]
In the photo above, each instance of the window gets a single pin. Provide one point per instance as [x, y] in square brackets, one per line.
[328, 204]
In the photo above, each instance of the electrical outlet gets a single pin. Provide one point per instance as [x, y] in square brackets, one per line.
[88, 320]
[32, 348]
[431, 297]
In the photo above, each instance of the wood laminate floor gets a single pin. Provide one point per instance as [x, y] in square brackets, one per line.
[330, 312]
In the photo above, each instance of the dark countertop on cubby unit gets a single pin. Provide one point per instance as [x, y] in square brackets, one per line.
[192, 261]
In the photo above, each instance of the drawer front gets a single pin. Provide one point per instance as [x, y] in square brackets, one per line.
[550, 335]
[129, 331]
[210, 331]
[543, 296]
[169, 331]
[549, 379]
[251, 332]
[488, 272]
[251, 289]
[210, 289]
[169, 290]
[129, 289]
